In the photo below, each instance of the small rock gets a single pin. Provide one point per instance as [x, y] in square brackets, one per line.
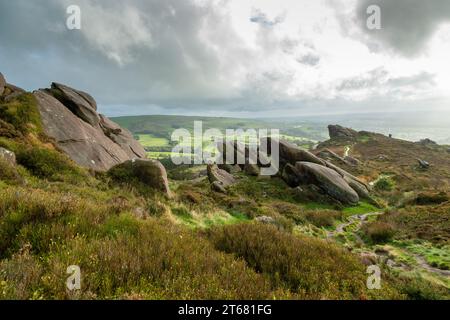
[223, 177]
[7, 155]
[265, 220]
[140, 213]
[423, 164]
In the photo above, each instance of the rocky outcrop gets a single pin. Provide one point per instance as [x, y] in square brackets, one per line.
[122, 137]
[329, 181]
[219, 179]
[93, 141]
[339, 132]
[2, 84]
[427, 142]
[80, 103]
[8, 91]
[290, 153]
[328, 154]
[299, 167]
[423, 164]
[149, 172]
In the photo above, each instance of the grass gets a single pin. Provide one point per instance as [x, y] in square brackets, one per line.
[49, 164]
[361, 208]
[429, 223]
[22, 114]
[309, 267]
[133, 243]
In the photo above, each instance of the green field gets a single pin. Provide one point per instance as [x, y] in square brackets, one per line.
[164, 126]
[148, 140]
[155, 132]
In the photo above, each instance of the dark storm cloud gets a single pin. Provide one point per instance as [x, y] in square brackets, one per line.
[128, 52]
[407, 25]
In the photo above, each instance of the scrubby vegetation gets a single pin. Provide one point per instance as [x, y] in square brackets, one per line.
[379, 232]
[261, 240]
[385, 184]
[310, 267]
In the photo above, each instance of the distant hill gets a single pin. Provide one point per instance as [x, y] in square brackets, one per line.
[163, 126]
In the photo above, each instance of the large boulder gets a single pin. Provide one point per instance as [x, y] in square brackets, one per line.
[122, 137]
[149, 172]
[345, 174]
[329, 181]
[339, 132]
[2, 83]
[360, 189]
[290, 153]
[291, 176]
[221, 176]
[84, 143]
[328, 154]
[79, 102]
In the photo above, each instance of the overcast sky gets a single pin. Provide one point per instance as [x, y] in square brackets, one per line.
[234, 57]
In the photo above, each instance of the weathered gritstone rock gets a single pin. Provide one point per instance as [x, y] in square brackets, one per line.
[291, 176]
[150, 172]
[84, 143]
[80, 103]
[344, 173]
[122, 137]
[328, 154]
[221, 176]
[329, 181]
[339, 132]
[290, 153]
[360, 189]
[8, 156]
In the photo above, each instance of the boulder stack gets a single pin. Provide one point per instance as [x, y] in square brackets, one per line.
[92, 140]
[299, 167]
[339, 132]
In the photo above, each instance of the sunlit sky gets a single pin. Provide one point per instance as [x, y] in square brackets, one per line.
[234, 58]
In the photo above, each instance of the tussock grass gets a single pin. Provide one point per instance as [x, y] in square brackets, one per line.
[310, 267]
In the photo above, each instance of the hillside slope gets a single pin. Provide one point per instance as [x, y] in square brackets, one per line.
[259, 240]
